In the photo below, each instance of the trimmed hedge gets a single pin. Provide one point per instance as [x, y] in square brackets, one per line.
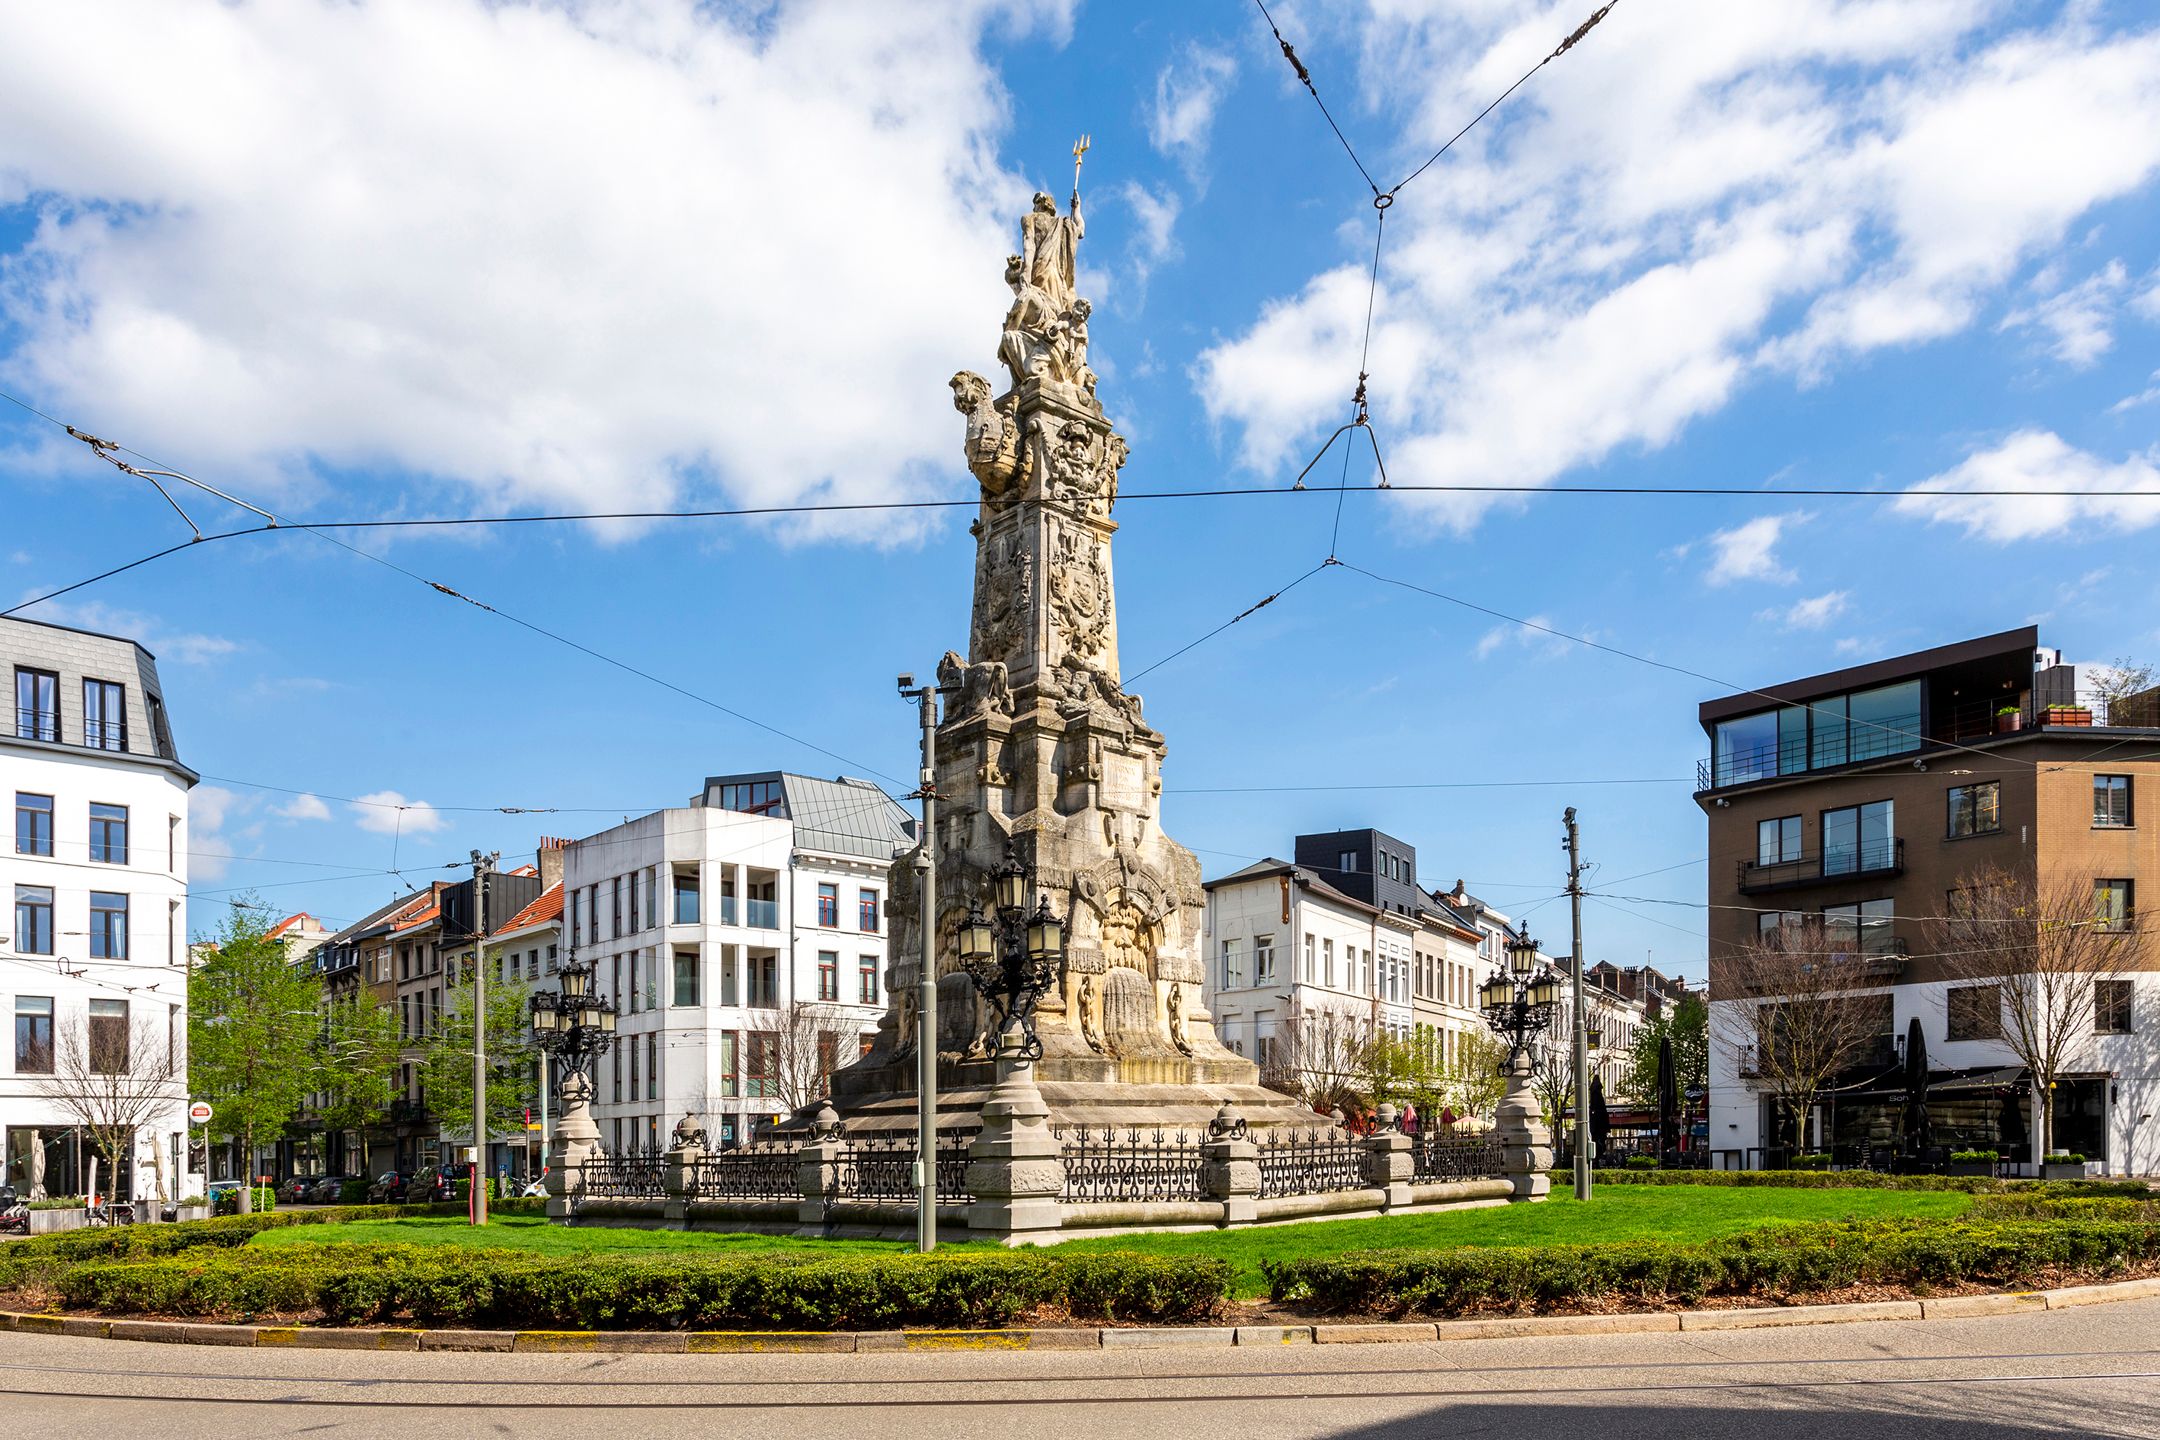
[442, 1287]
[1862, 1180]
[1769, 1264]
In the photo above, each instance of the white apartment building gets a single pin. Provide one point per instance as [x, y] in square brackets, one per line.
[743, 939]
[93, 956]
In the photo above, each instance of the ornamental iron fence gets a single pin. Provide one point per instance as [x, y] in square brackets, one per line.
[1310, 1162]
[1109, 1166]
[1440, 1156]
[882, 1167]
[635, 1175]
[755, 1172]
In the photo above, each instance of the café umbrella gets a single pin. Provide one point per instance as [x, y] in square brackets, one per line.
[1917, 1128]
[1668, 1101]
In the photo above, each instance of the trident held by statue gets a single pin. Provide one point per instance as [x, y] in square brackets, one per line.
[1080, 148]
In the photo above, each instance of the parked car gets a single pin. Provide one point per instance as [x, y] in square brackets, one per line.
[329, 1190]
[296, 1190]
[389, 1189]
[436, 1184]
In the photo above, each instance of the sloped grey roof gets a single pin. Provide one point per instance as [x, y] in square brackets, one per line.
[843, 816]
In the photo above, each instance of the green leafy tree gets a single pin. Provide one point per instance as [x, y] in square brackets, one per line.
[358, 1049]
[1474, 1081]
[1688, 1023]
[446, 1063]
[252, 1023]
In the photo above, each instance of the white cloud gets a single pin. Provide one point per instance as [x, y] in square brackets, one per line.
[1187, 93]
[2041, 460]
[1155, 216]
[187, 647]
[1700, 196]
[386, 812]
[2080, 317]
[2147, 301]
[581, 254]
[1748, 551]
[1813, 613]
[305, 807]
[2144, 397]
[1536, 641]
[209, 807]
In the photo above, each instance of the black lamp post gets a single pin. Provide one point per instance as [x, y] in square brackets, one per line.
[1520, 1004]
[573, 1025]
[1013, 956]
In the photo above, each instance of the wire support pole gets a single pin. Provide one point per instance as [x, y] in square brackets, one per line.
[926, 1023]
[1581, 1010]
[483, 868]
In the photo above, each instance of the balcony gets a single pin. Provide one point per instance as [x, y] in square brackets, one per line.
[1872, 859]
[761, 914]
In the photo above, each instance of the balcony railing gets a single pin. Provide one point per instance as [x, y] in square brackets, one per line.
[1846, 862]
[761, 914]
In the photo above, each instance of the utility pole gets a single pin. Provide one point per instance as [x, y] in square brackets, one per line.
[483, 868]
[926, 982]
[1581, 1012]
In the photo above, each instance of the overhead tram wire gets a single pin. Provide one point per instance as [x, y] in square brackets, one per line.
[105, 450]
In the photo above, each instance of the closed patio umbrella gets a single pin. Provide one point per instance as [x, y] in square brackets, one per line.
[1668, 1102]
[37, 1165]
[1918, 1136]
[1600, 1118]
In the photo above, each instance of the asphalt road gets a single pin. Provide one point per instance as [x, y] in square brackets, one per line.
[2089, 1371]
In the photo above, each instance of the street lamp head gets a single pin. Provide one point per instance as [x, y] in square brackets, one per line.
[1010, 884]
[977, 941]
[1522, 952]
[1545, 990]
[1046, 935]
[1495, 995]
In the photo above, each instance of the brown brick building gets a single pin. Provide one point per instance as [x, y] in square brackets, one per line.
[1865, 798]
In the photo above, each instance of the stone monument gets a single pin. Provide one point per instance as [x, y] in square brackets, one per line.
[1043, 756]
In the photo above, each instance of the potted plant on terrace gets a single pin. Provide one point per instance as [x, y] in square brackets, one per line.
[2061, 1166]
[2008, 718]
[1972, 1162]
[2068, 715]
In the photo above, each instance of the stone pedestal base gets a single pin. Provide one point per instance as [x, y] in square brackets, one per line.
[1015, 1171]
[576, 1139]
[1525, 1144]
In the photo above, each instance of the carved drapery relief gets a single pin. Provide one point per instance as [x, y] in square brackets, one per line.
[1129, 1013]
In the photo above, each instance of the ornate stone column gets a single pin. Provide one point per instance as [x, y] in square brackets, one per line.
[1230, 1166]
[1016, 1170]
[1525, 1144]
[678, 1177]
[1388, 1162]
[576, 1138]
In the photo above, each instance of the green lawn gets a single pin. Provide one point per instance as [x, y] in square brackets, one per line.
[1615, 1212]
[1619, 1212]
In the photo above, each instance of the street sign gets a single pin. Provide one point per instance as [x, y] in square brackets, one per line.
[199, 1112]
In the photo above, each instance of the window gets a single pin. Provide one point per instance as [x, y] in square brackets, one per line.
[553, 961]
[108, 834]
[1858, 838]
[37, 705]
[1263, 959]
[1233, 964]
[2111, 802]
[652, 900]
[2114, 904]
[764, 797]
[108, 1037]
[686, 977]
[1307, 976]
[866, 980]
[866, 916]
[686, 897]
[615, 929]
[33, 1035]
[1975, 809]
[761, 982]
[33, 824]
[577, 919]
[1327, 963]
[635, 876]
[632, 1047]
[1861, 929]
[828, 906]
[2111, 1007]
[1346, 862]
[1777, 841]
[1975, 1012]
[730, 1065]
[652, 1068]
[33, 920]
[760, 1070]
[828, 975]
[1770, 922]
[104, 715]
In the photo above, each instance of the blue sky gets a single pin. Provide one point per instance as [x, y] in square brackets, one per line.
[415, 259]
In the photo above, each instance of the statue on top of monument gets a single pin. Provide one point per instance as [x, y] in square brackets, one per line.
[1050, 247]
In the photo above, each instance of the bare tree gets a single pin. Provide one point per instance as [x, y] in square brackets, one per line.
[2044, 944]
[1322, 1057]
[115, 1079]
[1795, 1008]
[810, 1043]
[2122, 690]
[1475, 1083]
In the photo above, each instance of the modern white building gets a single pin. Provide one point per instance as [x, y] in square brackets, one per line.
[743, 940]
[93, 953]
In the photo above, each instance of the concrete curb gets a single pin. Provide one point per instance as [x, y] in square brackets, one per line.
[887, 1342]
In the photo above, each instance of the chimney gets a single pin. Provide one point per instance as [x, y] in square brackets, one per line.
[551, 861]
